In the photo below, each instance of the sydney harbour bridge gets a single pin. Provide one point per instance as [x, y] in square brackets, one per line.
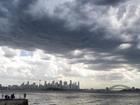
[118, 88]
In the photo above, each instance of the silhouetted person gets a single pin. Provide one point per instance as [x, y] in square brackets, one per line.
[24, 95]
[2, 96]
[7, 97]
[12, 96]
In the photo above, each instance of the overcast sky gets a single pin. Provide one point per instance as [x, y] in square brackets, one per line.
[96, 42]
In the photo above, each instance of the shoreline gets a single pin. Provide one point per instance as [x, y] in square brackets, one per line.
[66, 91]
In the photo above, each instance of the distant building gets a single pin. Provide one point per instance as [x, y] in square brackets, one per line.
[47, 85]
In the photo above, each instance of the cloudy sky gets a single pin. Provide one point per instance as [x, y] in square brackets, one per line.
[96, 42]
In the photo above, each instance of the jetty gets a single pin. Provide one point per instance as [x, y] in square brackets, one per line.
[13, 102]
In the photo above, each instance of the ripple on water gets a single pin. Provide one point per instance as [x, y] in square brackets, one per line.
[82, 99]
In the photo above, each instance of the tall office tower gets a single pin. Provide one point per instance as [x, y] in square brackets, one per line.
[53, 83]
[65, 85]
[28, 83]
[78, 85]
[45, 83]
[60, 83]
[70, 85]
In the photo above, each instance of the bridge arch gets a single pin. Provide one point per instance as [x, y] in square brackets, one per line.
[114, 87]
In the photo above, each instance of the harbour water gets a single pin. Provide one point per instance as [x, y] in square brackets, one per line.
[59, 98]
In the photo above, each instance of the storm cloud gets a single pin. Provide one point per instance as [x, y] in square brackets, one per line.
[103, 2]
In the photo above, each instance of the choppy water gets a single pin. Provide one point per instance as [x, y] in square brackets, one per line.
[82, 98]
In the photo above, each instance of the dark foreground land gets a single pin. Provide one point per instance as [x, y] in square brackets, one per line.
[13, 102]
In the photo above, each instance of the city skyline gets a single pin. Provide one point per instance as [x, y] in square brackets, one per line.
[63, 84]
[96, 42]
[51, 85]
[66, 86]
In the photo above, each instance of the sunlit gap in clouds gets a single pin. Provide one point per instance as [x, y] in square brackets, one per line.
[19, 65]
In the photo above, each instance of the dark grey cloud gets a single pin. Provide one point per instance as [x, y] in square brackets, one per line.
[99, 61]
[50, 33]
[110, 77]
[8, 52]
[70, 27]
[103, 2]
